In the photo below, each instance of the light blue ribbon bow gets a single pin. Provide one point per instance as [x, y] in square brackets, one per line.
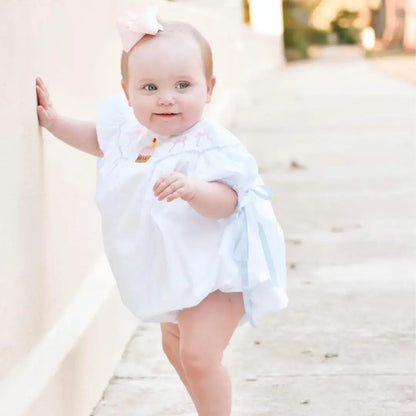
[242, 248]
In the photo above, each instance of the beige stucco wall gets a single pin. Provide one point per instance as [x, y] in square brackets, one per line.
[56, 290]
[63, 325]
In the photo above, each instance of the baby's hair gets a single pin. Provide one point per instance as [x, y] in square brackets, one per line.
[170, 28]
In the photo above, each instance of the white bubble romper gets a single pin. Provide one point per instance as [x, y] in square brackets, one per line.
[165, 256]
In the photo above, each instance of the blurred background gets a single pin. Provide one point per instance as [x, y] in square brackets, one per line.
[323, 94]
[384, 29]
[380, 26]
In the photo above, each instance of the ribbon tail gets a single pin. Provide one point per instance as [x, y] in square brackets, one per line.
[267, 254]
[246, 293]
[244, 253]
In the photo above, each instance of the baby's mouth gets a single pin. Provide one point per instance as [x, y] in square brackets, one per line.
[166, 115]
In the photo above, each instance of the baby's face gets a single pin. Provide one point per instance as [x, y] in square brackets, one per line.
[167, 87]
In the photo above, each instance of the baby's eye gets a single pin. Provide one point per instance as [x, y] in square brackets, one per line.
[182, 85]
[150, 87]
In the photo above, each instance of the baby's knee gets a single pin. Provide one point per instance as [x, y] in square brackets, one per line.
[197, 361]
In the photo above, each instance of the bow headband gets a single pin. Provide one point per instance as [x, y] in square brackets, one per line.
[133, 27]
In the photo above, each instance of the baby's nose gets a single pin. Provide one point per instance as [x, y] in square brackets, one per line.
[166, 99]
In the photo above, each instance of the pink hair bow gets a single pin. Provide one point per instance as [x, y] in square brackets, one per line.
[133, 27]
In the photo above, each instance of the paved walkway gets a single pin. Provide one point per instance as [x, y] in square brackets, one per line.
[335, 139]
[403, 65]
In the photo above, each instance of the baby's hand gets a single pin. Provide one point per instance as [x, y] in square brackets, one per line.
[175, 185]
[46, 113]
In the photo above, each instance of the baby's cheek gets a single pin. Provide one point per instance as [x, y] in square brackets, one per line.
[142, 111]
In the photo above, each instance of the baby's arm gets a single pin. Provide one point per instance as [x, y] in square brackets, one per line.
[76, 133]
[213, 199]
[210, 199]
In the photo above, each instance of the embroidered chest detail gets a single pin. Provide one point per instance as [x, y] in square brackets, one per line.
[146, 153]
[181, 139]
[202, 135]
[197, 138]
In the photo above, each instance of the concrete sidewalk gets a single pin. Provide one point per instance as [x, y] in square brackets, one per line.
[335, 139]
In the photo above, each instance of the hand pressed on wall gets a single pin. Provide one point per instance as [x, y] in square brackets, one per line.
[46, 113]
[77, 133]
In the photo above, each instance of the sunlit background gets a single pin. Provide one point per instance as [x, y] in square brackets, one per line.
[383, 28]
[322, 92]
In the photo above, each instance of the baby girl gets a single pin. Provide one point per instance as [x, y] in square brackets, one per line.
[188, 230]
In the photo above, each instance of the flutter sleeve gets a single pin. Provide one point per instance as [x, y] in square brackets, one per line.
[253, 235]
[112, 113]
[231, 164]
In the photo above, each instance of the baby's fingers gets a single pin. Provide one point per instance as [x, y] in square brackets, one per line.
[157, 185]
[41, 84]
[47, 117]
[163, 182]
[167, 190]
[177, 194]
[43, 97]
[43, 94]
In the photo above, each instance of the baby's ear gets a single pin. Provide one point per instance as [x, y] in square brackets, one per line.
[210, 88]
[126, 91]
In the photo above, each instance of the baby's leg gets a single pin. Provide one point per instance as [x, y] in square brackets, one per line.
[170, 345]
[205, 331]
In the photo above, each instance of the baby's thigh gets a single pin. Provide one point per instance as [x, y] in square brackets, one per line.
[170, 337]
[170, 332]
[208, 326]
[169, 328]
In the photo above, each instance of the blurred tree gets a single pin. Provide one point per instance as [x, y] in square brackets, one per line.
[298, 35]
[295, 20]
[327, 10]
[343, 26]
[246, 11]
